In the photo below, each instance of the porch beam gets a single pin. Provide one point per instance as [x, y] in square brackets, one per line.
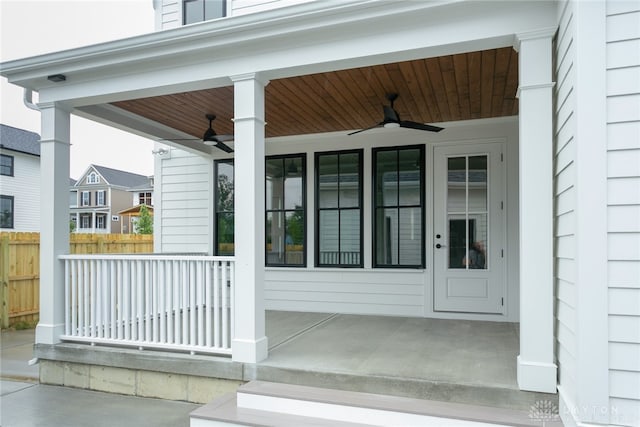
[54, 219]
[536, 368]
[249, 343]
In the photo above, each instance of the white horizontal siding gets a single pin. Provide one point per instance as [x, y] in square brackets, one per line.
[168, 14]
[623, 224]
[398, 293]
[24, 186]
[186, 204]
[565, 201]
[243, 7]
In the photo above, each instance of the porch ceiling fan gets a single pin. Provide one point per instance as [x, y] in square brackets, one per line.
[211, 138]
[392, 119]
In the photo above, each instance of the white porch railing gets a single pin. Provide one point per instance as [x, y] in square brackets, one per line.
[171, 302]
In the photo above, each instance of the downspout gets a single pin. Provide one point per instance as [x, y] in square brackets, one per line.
[28, 100]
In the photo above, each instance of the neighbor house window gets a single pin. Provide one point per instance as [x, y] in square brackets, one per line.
[93, 178]
[144, 199]
[100, 197]
[85, 220]
[101, 221]
[339, 209]
[6, 165]
[224, 207]
[73, 198]
[6, 211]
[203, 10]
[398, 220]
[285, 210]
[86, 198]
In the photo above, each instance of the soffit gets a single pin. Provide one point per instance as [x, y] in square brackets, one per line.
[466, 86]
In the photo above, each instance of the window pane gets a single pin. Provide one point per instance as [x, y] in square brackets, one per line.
[387, 178]
[293, 183]
[350, 237]
[328, 244]
[386, 236]
[224, 231]
[477, 184]
[410, 230]
[275, 187]
[275, 238]
[193, 11]
[6, 212]
[457, 241]
[410, 185]
[349, 180]
[214, 9]
[328, 181]
[294, 239]
[478, 232]
[225, 187]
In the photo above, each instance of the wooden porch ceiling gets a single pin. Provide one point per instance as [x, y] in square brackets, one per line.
[449, 88]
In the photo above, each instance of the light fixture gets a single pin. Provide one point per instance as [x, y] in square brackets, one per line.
[391, 125]
[57, 78]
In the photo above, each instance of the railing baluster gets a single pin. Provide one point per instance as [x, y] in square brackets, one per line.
[169, 289]
[176, 300]
[207, 302]
[134, 301]
[67, 295]
[225, 304]
[185, 302]
[216, 304]
[139, 290]
[192, 303]
[162, 299]
[111, 289]
[200, 302]
[119, 309]
[232, 291]
[147, 301]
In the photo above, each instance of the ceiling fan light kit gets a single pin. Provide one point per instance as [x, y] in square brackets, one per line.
[391, 119]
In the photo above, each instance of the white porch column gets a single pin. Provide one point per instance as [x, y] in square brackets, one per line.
[249, 342]
[54, 219]
[536, 368]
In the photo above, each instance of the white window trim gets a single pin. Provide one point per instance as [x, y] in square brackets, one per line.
[93, 178]
[101, 198]
[82, 198]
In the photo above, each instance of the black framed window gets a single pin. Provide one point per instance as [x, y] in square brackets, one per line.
[399, 220]
[203, 10]
[285, 222]
[339, 209]
[224, 208]
[6, 165]
[6, 211]
[100, 197]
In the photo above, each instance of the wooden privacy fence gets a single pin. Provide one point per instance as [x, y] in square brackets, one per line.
[20, 267]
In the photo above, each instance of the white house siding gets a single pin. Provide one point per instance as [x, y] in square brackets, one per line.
[168, 14]
[564, 193]
[400, 292]
[186, 204]
[623, 209]
[24, 186]
[243, 7]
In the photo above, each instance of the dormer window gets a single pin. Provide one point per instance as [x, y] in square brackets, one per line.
[203, 10]
[93, 178]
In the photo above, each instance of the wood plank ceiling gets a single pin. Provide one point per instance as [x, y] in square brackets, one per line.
[449, 88]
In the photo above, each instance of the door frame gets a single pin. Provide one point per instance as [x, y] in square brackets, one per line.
[509, 312]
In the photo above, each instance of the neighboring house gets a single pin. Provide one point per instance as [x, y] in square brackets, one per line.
[19, 179]
[99, 195]
[535, 179]
[142, 195]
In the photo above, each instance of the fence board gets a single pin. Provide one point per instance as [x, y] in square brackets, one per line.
[20, 267]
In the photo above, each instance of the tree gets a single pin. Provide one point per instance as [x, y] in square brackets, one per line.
[145, 221]
[72, 226]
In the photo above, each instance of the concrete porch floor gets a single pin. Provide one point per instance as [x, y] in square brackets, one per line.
[448, 360]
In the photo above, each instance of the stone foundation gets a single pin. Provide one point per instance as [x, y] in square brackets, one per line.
[135, 382]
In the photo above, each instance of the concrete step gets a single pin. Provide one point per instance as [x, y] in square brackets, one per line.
[224, 411]
[276, 403]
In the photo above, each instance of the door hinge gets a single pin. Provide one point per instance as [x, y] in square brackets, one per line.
[502, 205]
[502, 253]
[501, 157]
[502, 301]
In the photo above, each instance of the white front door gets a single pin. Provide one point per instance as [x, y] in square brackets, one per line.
[468, 228]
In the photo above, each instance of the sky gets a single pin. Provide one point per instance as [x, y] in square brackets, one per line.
[33, 27]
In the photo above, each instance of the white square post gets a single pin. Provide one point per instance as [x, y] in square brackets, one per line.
[54, 219]
[249, 342]
[536, 368]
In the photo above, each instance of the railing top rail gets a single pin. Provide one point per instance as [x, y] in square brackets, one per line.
[144, 257]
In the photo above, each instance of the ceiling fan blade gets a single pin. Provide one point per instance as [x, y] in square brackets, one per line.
[420, 126]
[369, 128]
[179, 139]
[224, 147]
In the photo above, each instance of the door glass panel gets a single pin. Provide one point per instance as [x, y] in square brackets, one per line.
[467, 212]
[478, 184]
